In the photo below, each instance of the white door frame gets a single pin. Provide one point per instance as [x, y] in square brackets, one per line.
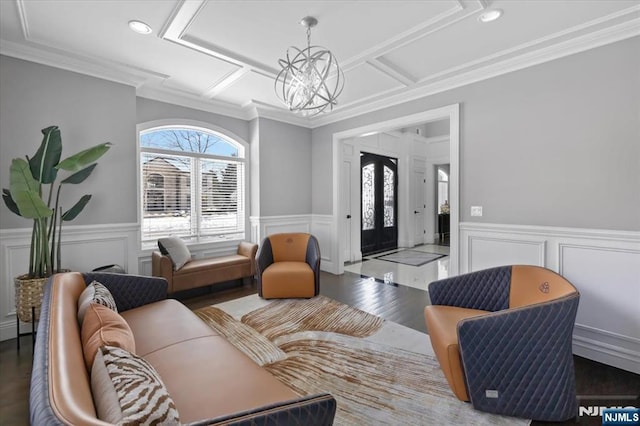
[451, 112]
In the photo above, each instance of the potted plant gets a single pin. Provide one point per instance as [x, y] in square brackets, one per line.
[32, 180]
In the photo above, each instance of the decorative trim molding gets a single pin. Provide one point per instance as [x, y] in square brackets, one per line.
[553, 231]
[606, 347]
[607, 338]
[320, 226]
[450, 80]
[83, 248]
[261, 226]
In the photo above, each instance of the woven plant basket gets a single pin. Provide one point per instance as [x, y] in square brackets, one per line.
[29, 293]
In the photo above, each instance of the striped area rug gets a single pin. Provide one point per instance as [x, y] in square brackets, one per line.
[320, 345]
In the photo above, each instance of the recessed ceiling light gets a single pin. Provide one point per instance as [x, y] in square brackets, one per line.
[140, 27]
[490, 15]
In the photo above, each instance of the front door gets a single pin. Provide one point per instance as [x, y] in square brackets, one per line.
[379, 183]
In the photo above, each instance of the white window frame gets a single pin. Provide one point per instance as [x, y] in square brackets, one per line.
[244, 153]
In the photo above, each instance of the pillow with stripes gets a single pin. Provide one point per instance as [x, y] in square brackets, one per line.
[95, 293]
[127, 390]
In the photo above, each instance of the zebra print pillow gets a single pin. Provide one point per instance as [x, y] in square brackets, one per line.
[95, 293]
[128, 391]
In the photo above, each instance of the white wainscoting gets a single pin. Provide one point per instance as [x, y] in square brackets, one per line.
[83, 248]
[603, 265]
[319, 225]
[322, 227]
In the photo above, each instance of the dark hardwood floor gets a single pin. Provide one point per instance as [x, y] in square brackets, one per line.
[400, 304]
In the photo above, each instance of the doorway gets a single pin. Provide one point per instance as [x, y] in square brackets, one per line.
[379, 201]
[339, 232]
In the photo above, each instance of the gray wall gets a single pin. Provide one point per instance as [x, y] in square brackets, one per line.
[150, 110]
[88, 111]
[285, 165]
[557, 144]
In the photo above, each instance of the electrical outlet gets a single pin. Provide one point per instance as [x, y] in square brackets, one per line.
[476, 210]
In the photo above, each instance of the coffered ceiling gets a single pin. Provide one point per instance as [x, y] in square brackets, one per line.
[222, 56]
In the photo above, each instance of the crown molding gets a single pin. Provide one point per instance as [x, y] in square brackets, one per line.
[71, 62]
[262, 110]
[579, 44]
[182, 99]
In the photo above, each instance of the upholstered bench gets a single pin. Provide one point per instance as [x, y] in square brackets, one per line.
[184, 273]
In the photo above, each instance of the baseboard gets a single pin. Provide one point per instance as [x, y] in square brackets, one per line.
[606, 347]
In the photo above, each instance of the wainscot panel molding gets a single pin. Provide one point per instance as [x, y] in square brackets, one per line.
[604, 265]
[322, 227]
[84, 248]
[261, 226]
[319, 225]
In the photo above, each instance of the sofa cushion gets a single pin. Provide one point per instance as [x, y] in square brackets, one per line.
[176, 249]
[128, 391]
[208, 377]
[95, 293]
[102, 326]
[164, 323]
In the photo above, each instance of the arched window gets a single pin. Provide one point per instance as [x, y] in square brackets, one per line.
[192, 184]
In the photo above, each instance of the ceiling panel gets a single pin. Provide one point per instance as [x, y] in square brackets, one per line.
[474, 40]
[364, 81]
[251, 86]
[100, 30]
[263, 30]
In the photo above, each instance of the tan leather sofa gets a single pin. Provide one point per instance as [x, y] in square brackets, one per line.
[207, 271]
[503, 339]
[210, 381]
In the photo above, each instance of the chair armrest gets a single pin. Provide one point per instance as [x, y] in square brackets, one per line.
[313, 260]
[264, 257]
[487, 290]
[130, 291]
[314, 410]
[249, 250]
[526, 355]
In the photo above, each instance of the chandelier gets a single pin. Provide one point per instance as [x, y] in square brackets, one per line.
[310, 80]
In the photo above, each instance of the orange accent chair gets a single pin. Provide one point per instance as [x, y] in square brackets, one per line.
[503, 339]
[288, 266]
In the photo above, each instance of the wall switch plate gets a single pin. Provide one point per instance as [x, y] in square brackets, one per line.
[476, 210]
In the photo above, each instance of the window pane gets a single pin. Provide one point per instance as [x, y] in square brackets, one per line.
[188, 140]
[188, 193]
[389, 204]
[166, 195]
[221, 200]
[368, 197]
[442, 176]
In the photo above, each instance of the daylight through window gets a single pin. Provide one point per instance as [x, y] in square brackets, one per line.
[192, 185]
